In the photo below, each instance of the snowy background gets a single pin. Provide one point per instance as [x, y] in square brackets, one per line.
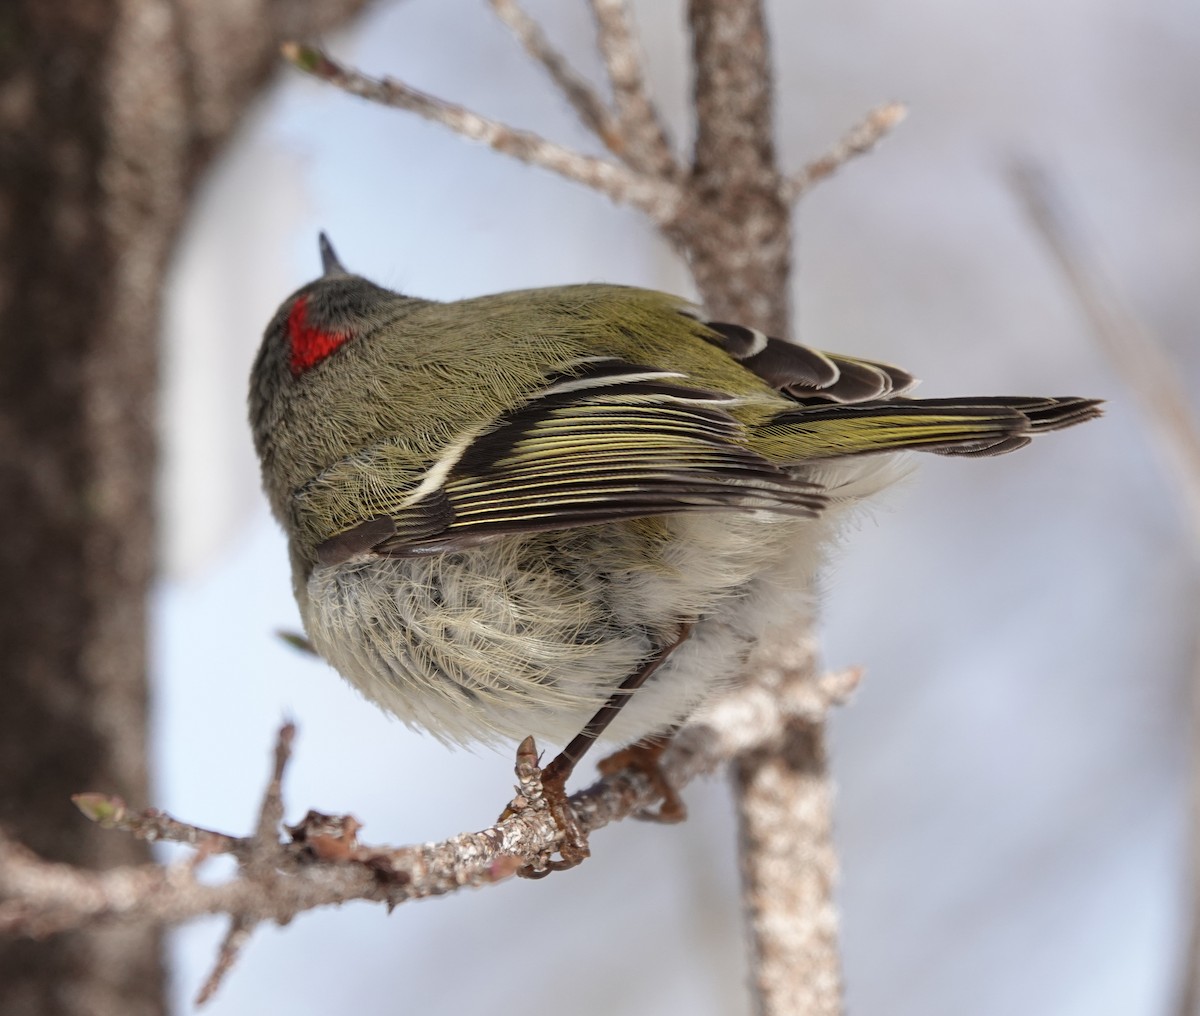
[1012, 809]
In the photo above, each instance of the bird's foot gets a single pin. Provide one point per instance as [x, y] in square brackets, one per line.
[646, 757]
[546, 789]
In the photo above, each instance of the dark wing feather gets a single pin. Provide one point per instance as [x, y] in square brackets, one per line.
[612, 441]
[803, 372]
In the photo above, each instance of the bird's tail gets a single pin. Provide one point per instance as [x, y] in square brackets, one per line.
[962, 426]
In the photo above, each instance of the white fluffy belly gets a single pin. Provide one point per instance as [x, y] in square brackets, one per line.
[525, 636]
[528, 635]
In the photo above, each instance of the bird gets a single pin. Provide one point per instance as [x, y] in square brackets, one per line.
[571, 512]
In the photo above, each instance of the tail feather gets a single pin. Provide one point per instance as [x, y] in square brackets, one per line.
[964, 426]
[1042, 413]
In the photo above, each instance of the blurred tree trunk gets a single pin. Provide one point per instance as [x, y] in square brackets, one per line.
[108, 111]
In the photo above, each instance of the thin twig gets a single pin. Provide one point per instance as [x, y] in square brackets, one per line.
[240, 929]
[259, 867]
[156, 826]
[592, 111]
[270, 812]
[644, 137]
[1137, 355]
[859, 140]
[658, 199]
[322, 863]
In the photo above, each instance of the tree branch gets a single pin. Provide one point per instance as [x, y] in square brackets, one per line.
[738, 238]
[592, 111]
[644, 137]
[859, 140]
[656, 198]
[735, 231]
[320, 861]
[788, 861]
[235, 940]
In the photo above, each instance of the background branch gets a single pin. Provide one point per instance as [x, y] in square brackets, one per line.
[588, 106]
[1142, 362]
[644, 144]
[321, 862]
[656, 198]
[859, 140]
[1137, 356]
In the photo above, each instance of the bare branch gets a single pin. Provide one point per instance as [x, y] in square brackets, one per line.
[859, 140]
[732, 88]
[261, 862]
[643, 136]
[658, 199]
[232, 944]
[1140, 359]
[785, 816]
[323, 863]
[270, 812]
[154, 826]
[735, 230]
[589, 107]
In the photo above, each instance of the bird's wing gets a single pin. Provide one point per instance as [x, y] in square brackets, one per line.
[609, 441]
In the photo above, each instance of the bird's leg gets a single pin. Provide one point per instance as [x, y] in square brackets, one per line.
[565, 762]
[554, 776]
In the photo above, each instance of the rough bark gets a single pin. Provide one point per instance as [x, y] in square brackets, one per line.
[735, 228]
[108, 111]
[736, 233]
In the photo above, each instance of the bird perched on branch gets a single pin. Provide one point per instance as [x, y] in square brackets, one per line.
[569, 512]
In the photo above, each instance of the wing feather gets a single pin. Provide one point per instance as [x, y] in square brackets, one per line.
[612, 441]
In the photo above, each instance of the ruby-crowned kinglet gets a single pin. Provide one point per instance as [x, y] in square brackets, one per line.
[506, 513]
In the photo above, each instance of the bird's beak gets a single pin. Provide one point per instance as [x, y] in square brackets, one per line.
[329, 258]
